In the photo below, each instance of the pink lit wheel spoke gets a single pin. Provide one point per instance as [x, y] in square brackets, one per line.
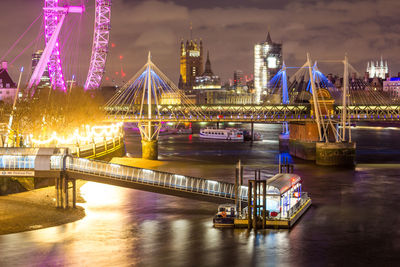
[101, 37]
[52, 16]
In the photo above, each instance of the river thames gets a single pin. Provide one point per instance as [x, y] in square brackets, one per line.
[354, 219]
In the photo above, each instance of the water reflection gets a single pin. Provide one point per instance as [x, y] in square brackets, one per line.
[352, 216]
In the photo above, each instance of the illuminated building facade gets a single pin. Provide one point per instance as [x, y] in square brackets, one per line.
[267, 62]
[207, 80]
[8, 88]
[191, 64]
[392, 87]
[378, 70]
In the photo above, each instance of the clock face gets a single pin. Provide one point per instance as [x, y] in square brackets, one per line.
[272, 62]
[194, 53]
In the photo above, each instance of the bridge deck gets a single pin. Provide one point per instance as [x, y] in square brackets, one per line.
[256, 113]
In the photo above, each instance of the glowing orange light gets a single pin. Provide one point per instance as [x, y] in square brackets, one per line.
[121, 57]
[112, 45]
[93, 134]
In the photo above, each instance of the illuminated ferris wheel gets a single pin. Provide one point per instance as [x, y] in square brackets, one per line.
[54, 16]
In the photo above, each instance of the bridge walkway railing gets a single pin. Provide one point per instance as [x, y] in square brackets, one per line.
[160, 179]
[154, 178]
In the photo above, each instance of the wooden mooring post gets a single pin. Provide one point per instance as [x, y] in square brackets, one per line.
[62, 191]
[238, 184]
[285, 166]
[257, 208]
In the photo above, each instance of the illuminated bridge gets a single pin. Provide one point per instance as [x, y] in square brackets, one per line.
[252, 113]
[317, 111]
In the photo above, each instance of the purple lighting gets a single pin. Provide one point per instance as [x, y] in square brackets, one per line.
[53, 19]
[101, 37]
[51, 13]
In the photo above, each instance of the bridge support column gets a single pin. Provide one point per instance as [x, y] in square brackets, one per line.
[74, 193]
[284, 138]
[66, 202]
[57, 188]
[62, 191]
[336, 154]
[150, 149]
[149, 132]
[302, 139]
[252, 132]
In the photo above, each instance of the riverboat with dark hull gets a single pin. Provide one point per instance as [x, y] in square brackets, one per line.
[225, 216]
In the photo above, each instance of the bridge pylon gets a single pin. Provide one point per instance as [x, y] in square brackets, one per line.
[146, 98]
[326, 138]
[150, 129]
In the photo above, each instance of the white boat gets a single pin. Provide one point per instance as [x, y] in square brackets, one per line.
[225, 216]
[223, 134]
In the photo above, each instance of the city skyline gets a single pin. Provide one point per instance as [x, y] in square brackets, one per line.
[116, 163]
[226, 30]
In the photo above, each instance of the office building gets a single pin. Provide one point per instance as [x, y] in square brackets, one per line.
[45, 79]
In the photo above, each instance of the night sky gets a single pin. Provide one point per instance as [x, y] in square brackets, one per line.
[229, 29]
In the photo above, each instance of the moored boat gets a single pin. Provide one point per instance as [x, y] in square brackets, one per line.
[223, 134]
[225, 216]
[256, 136]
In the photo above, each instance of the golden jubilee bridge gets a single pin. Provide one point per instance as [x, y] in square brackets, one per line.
[325, 116]
[277, 113]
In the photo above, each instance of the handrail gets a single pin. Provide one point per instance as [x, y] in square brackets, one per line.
[154, 178]
[149, 177]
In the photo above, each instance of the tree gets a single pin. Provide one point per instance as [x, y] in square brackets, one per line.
[56, 111]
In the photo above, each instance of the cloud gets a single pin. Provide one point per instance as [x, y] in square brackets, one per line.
[364, 30]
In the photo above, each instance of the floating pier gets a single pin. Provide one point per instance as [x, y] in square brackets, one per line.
[277, 202]
[279, 223]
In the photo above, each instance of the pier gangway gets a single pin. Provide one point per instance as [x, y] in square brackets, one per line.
[153, 180]
[32, 163]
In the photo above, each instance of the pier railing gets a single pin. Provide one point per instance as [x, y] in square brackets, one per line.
[33, 160]
[304, 198]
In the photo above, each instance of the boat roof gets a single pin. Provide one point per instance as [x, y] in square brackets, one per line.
[230, 205]
[282, 182]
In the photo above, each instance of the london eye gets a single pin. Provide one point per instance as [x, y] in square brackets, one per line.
[54, 14]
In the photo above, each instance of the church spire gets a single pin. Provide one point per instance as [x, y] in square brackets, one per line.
[269, 40]
[207, 70]
[191, 31]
